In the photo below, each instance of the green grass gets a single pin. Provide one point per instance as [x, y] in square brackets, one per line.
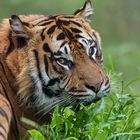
[118, 119]
[124, 57]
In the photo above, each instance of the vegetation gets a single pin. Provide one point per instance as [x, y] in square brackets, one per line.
[116, 117]
[118, 23]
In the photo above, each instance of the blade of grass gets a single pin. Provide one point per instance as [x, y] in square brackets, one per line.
[131, 82]
[125, 133]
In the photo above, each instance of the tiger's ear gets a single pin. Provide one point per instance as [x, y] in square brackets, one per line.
[22, 29]
[85, 11]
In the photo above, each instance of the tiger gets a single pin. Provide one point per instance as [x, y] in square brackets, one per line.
[46, 61]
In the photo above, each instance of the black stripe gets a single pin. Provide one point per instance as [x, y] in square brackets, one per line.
[21, 42]
[47, 49]
[78, 36]
[2, 135]
[46, 63]
[68, 33]
[46, 19]
[58, 53]
[85, 41]
[2, 127]
[11, 46]
[26, 24]
[66, 51]
[107, 81]
[65, 22]
[81, 46]
[61, 36]
[45, 23]
[75, 30]
[60, 71]
[63, 44]
[42, 34]
[2, 67]
[47, 92]
[51, 30]
[69, 17]
[53, 17]
[37, 64]
[106, 89]
[4, 114]
[19, 32]
[59, 23]
[76, 23]
[53, 81]
[5, 101]
[67, 82]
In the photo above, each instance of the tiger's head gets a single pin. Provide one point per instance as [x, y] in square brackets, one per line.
[62, 57]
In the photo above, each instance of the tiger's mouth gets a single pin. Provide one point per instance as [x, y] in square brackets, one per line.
[87, 98]
[79, 94]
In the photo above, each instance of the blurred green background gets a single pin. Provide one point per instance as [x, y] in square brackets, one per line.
[117, 21]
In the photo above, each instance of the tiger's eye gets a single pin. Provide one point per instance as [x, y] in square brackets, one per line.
[61, 60]
[91, 50]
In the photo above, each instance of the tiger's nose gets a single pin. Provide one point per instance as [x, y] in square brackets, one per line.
[94, 87]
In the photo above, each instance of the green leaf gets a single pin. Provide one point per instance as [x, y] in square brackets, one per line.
[68, 126]
[104, 125]
[71, 138]
[36, 135]
[101, 136]
[56, 119]
[68, 112]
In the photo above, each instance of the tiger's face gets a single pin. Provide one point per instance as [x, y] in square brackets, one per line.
[64, 58]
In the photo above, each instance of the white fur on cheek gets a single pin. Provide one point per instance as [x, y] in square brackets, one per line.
[102, 91]
[90, 92]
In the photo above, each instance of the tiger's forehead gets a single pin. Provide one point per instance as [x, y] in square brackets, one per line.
[58, 19]
[62, 30]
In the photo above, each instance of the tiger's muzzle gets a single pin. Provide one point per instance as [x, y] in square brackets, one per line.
[88, 84]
